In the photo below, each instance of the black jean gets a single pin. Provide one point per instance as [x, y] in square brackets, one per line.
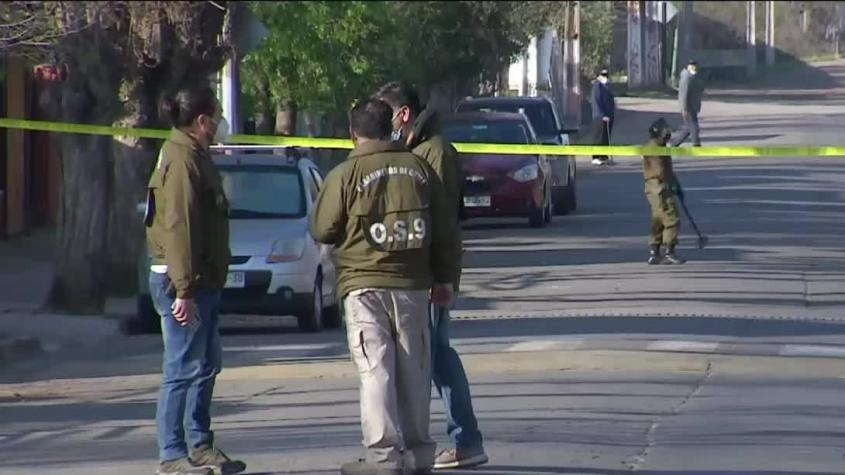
[601, 134]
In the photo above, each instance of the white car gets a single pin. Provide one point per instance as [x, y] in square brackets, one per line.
[276, 268]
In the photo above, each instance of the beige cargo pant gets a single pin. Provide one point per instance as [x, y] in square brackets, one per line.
[389, 341]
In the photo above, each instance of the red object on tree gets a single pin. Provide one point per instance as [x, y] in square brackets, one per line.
[51, 72]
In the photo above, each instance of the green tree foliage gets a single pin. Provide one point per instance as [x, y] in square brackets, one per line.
[323, 55]
[320, 54]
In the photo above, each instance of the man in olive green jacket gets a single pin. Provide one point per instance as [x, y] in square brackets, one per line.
[396, 251]
[420, 131]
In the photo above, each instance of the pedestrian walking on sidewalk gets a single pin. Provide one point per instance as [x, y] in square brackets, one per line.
[690, 90]
[397, 251]
[419, 130]
[662, 188]
[604, 112]
[188, 235]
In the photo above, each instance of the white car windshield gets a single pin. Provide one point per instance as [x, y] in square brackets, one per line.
[262, 192]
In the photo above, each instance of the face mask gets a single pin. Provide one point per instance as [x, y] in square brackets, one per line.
[221, 134]
[693, 71]
[396, 134]
[603, 79]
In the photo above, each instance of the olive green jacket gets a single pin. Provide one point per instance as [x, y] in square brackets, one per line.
[429, 143]
[657, 170]
[189, 227]
[383, 210]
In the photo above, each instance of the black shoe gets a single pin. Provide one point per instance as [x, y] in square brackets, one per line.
[671, 258]
[362, 467]
[654, 256]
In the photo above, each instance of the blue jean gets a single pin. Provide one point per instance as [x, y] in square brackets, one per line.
[192, 360]
[451, 381]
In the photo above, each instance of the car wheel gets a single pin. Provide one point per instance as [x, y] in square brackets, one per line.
[146, 319]
[559, 200]
[549, 210]
[571, 200]
[332, 316]
[311, 319]
[564, 196]
[537, 218]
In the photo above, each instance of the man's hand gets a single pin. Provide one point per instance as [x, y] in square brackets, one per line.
[606, 119]
[184, 311]
[442, 295]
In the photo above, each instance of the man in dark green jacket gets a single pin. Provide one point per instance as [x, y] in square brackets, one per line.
[419, 130]
[397, 251]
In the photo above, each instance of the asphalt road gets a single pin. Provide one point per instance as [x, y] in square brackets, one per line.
[583, 359]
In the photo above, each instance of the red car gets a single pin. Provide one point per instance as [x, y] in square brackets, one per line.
[499, 185]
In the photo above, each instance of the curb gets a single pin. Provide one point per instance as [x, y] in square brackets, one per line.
[15, 349]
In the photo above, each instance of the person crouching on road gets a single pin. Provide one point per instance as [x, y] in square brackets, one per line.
[396, 252]
[662, 188]
[188, 236]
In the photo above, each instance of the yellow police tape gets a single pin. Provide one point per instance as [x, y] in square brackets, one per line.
[487, 148]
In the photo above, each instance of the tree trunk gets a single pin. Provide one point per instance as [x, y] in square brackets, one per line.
[80, 276]
[133, 160]
[286, 117]
[264, 117]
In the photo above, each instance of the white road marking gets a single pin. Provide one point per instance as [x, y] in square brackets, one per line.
[813, 350]
[311, 347]
[689, 346]
[542, 345]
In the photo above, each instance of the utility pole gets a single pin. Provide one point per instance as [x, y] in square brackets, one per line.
[576, 61]
[230, 81]
[751, 36]
[567, 57]
[770, 33]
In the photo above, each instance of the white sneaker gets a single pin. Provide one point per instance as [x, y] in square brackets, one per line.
[597, 161]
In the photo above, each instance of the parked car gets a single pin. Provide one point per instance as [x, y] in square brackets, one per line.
[549, 128]
[276, 267]
[500, 185]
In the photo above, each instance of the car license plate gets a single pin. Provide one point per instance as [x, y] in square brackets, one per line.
[235, 280]
[476, 201]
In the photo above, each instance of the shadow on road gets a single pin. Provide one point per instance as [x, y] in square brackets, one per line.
[687, 325]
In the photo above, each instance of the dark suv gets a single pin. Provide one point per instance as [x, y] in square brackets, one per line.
[546, 124]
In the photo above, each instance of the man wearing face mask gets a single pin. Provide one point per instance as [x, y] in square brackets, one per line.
[662, 188]
[419, 130]
[188, 237]
[396, 252]
[690, 91]
[604, 110]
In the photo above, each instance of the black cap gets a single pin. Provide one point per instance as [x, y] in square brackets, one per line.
[692, 62]
[659, 127]
[603, 72]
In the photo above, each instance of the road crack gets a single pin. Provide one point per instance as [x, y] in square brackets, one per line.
[639, 459]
